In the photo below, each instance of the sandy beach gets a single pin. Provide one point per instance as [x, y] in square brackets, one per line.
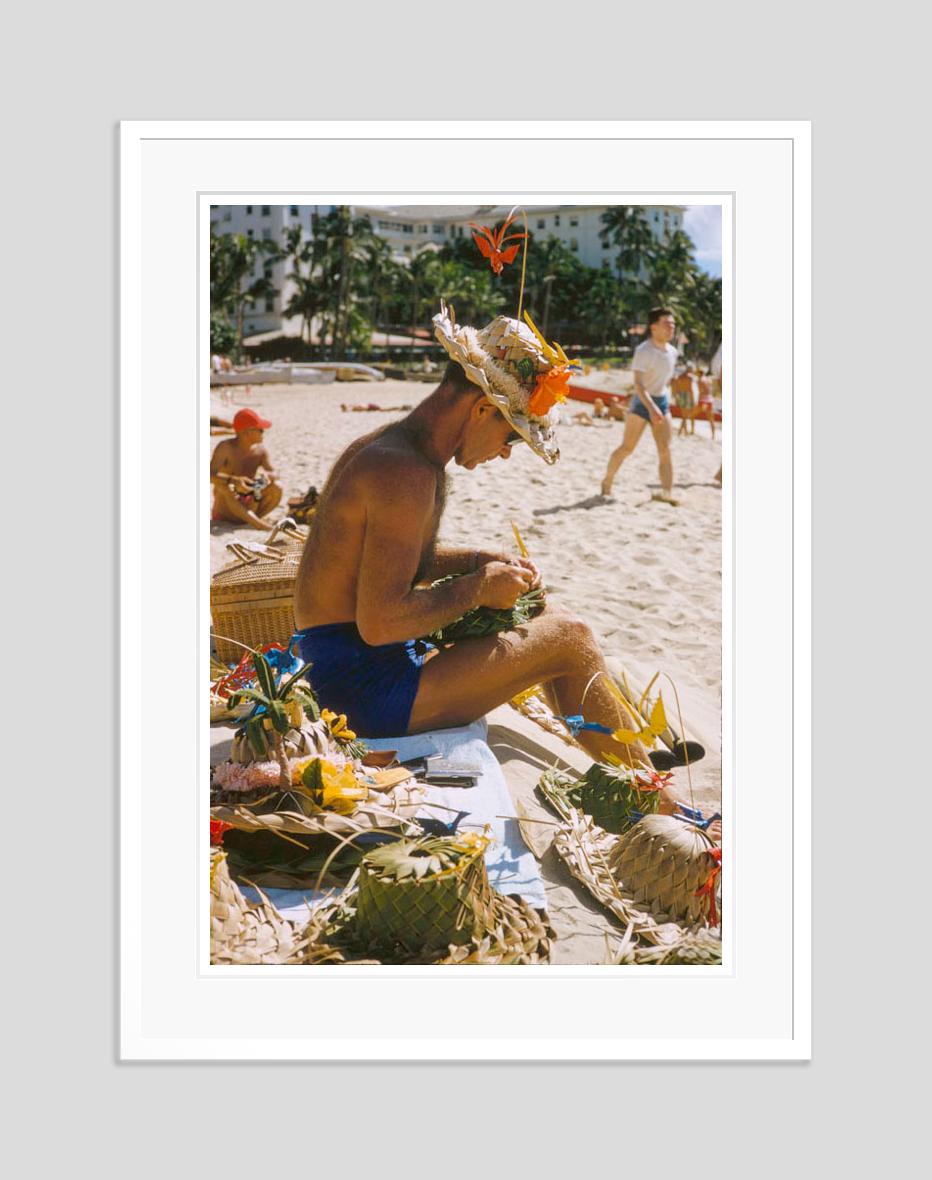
[645, 575]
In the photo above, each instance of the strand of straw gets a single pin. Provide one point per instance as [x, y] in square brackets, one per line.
[527, 234]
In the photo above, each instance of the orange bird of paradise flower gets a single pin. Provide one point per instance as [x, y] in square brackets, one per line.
[551, 388]
[490, 244]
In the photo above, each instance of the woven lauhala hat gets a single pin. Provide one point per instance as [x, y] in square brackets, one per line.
[509, 362]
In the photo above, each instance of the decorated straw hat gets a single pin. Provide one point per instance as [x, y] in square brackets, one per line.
[508, 359]
[516, 370]
[660, 878]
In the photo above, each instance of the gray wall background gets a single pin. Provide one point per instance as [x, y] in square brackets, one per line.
[72, 72]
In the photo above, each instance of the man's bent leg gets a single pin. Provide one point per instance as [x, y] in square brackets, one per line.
[634, 428]
[227, 506]
[462, 683]
[269, 499]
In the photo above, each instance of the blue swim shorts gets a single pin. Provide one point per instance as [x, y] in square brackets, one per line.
[638, 407]
[374, 686]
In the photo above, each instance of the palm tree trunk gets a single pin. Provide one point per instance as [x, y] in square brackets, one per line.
[281, 758]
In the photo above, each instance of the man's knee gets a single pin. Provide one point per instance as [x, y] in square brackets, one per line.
[575, 636]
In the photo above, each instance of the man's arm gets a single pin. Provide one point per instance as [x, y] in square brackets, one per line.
[219, 464]
[459, 559]
[399, 503]
[266, 464]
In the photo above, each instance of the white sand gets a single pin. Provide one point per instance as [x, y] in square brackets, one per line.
[645, 575]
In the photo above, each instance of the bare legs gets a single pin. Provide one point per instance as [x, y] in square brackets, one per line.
[464, 682]
[634, 428]
[228, 506]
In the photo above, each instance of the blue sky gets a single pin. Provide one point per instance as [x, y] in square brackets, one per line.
[703, 223]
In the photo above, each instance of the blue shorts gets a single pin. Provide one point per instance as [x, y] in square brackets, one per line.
[638, 407]
[374, 686]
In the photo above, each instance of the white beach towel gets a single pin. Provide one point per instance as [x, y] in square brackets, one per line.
[511, 866]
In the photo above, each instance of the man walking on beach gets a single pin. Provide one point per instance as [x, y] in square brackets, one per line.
[653, 365]
[364, 593]
[243, 494]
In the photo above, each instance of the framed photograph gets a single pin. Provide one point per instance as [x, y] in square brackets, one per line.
[465, 590]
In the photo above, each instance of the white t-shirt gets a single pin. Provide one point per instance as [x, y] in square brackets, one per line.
[656, 366]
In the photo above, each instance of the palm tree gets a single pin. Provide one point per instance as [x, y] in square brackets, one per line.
[233, 283]
[627, 228]
[283, 704]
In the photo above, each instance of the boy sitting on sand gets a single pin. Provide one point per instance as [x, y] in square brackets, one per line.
[241, 494]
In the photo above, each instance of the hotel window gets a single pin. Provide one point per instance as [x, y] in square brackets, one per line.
[541, 223]
[452, 231]
[422, 229]
[574, 245]
[248, 233]
[270, 303]
[407, 229]
[228, 215]
[266, 235]
[214, 207]
[460, 231]
[266, 210]
[294, 210]
[574, 221]
[248, 210]
[439, 231]
[556, 219]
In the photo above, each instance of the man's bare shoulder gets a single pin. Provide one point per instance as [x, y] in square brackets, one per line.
[223, 450]
[388, 462]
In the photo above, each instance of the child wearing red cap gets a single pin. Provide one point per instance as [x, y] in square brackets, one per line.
[243, 494]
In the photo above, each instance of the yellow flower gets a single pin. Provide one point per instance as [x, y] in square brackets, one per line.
[342, 790]
[339, 729]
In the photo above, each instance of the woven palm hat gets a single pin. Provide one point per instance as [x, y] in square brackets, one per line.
[505, 360]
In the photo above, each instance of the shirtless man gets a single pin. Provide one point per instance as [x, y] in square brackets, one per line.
[653, 365]
[363, 589]
[241, 495]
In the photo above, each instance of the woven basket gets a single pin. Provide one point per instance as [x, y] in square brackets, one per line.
[252, 600]
[434, 911]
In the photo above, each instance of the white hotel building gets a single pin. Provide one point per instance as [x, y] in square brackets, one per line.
[409, 229]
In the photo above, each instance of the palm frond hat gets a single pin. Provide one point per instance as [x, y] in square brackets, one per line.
[509, 360]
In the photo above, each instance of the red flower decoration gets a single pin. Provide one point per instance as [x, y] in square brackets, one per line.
[217, 828]
[490, 244]
[708, 889]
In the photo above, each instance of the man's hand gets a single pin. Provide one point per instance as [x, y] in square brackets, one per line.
[503, 582]
[655, 415]
[486, 558]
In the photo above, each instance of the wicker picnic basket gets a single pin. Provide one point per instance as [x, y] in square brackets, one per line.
[251, 599]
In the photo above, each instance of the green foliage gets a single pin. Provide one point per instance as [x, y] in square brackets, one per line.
[222, 334]
[486, 620]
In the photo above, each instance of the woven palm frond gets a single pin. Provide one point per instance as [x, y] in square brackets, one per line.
[586, 850]
[664, 865]
[486, 620]
[245, 933]
[615, 796]
[425, 893]
[694, 948]
[516, 935]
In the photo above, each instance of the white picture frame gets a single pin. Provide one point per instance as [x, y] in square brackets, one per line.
[174, 1005]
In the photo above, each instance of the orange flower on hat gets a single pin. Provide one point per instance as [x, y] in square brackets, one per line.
[490, 244]
[551, 387]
